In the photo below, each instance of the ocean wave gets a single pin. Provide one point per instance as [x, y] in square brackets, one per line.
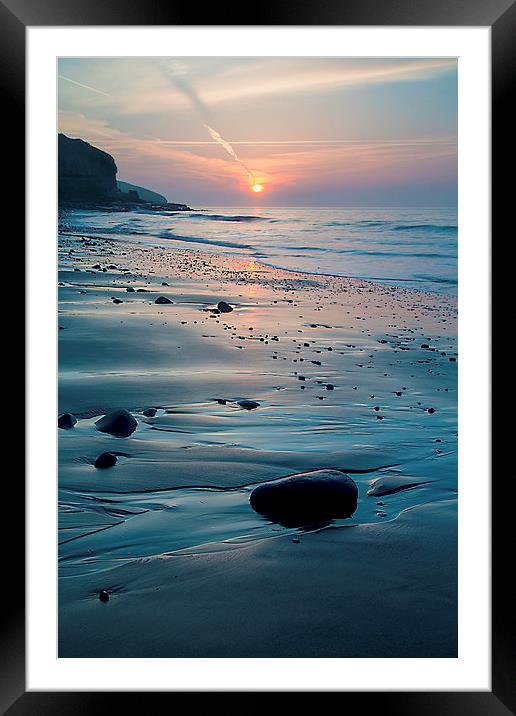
[198, 240]
[391, 226]
[358, 222]
[398, 254]
[424, 227]
[222, 217]
[436, 279]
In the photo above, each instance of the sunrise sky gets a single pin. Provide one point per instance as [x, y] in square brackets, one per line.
[311, 131]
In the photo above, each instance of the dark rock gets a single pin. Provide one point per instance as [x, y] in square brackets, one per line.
[149, 412]
[162, 299]
[85, 172]
[107, 459]
[130, 289]
[224, 307]
[66, 420]
[119, 422]
[103, 595]
[329, 386]
[248, 404]
[307, 498]
[117, 300]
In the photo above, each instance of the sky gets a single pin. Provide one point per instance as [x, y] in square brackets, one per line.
[307, 131]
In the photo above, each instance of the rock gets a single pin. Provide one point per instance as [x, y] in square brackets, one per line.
[149, 412]
[107, 459]
[390, 485]
[329, 386]
[130, 289]
[119, 422]
[117, 300]
[224, 307]
[248, 404]
[162, 299]
[103, 595]
[306, 498]
[85, 173]
[66, 421]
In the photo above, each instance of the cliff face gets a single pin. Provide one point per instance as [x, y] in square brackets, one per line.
[85, 172]
[144, 194]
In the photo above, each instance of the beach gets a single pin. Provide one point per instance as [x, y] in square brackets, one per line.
[348, 374]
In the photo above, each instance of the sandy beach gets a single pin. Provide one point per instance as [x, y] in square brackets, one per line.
[348, 374]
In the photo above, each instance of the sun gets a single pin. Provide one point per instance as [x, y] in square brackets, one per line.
[257, 188]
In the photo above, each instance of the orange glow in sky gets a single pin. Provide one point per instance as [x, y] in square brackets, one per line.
[257, 188]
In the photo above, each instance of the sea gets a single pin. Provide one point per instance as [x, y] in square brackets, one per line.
[414, 248]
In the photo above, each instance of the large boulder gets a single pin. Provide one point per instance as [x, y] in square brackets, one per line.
[119, 422]
[307, 498]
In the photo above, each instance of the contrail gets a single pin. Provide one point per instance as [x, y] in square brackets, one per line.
[173, 76]
[229, 149]
[92, 89]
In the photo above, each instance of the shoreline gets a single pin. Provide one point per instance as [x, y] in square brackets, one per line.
[277, 239]
[241, 261]
[391, 414]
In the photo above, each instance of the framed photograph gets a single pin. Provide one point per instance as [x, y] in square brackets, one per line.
[258, 360]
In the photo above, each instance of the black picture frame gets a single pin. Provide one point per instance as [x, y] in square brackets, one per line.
[500, 16]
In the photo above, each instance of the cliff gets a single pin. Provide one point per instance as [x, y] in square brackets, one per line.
[86, 174]
[144, 194]
[87, 178]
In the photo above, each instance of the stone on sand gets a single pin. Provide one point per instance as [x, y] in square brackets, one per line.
[149, 412]
[118, 422]
[162, 299]
[224, 307]
[306, 498]
[248, 404]
[66, 421]
[106, 459]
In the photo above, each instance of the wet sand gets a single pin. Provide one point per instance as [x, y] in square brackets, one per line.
[190, 569]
